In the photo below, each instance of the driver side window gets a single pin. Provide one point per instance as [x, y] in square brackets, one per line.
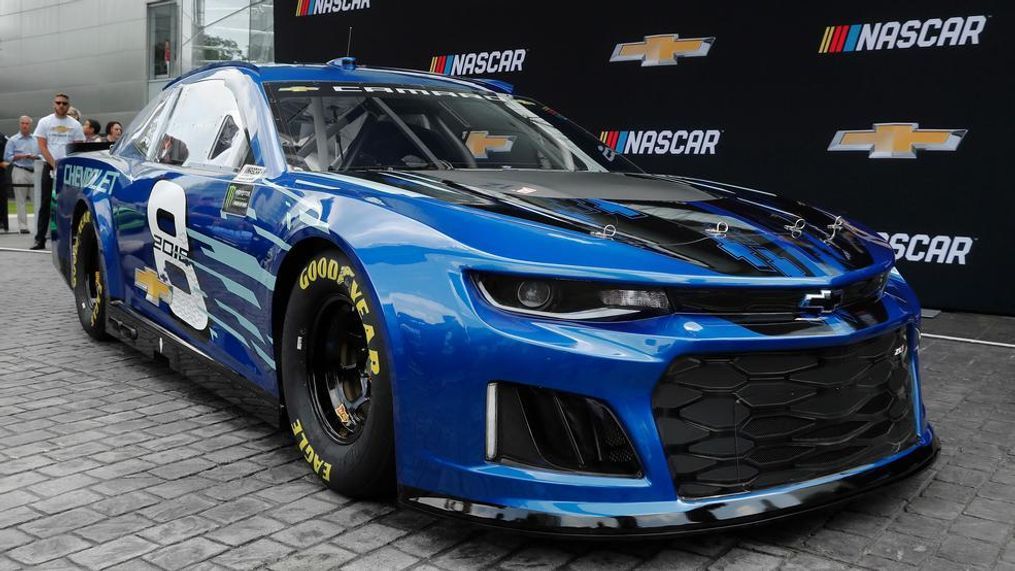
[205, 129]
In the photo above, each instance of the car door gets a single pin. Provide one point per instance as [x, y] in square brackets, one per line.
[190, 263]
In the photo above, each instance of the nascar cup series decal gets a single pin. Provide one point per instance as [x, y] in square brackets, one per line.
[238, 192]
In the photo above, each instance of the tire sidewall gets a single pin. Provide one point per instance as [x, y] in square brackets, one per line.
[364, 467]
[86, 257]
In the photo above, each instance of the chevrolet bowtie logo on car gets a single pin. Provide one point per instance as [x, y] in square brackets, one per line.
[662, 49]
[897, 140]
[825, 301]
[480, 143]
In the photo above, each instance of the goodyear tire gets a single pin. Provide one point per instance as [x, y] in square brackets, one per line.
[88, 279]
[337, 389]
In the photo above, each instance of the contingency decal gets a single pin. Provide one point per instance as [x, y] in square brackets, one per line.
[167, 216]
[237, 199]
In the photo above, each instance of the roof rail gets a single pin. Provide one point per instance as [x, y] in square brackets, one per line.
[213, 65]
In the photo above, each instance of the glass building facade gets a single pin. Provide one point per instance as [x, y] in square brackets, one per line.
[111, 56]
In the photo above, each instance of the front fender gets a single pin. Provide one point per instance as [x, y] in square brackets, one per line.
[88, 180]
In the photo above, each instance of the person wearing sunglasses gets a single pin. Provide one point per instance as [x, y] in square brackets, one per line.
[54, 133]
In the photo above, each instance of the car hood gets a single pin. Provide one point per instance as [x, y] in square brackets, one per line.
[705, 224]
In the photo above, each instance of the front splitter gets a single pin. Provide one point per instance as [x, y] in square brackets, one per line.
[714, 515]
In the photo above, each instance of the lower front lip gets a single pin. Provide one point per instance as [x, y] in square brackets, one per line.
[576, 519]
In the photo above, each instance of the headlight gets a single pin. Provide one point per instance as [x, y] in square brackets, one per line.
[571, 299]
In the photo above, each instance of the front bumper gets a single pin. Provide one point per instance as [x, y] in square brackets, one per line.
[661, 519]
[442, 420]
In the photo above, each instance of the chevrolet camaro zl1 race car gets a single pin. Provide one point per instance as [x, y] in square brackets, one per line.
[459, 294]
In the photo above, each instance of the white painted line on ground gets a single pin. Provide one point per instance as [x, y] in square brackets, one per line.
[966, 340]
[26, 250]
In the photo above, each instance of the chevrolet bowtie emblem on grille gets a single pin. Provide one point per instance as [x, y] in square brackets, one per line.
[897, 140]
[826, 300]
[662, 49]
[482, 142]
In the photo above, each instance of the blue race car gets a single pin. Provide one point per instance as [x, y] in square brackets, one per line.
[444, 289]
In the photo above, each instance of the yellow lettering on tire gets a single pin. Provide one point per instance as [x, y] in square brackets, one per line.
[361, 307]
[369, 331]
[333, 270]
[297, 427]
[304, 280]
[375, 362]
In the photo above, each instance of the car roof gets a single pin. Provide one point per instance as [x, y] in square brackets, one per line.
[341, 71]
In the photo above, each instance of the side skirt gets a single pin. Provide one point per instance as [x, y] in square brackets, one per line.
[158, 343]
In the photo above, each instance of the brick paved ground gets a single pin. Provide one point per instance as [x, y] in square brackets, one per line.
[107, 460]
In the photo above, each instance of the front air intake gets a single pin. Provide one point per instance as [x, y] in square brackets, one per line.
[556, 430]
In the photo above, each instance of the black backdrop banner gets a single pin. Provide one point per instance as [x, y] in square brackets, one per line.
[894, 113]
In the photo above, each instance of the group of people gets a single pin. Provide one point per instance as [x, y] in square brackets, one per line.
[48, 143]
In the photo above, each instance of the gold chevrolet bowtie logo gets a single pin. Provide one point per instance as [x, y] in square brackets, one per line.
[897, 140]
[298, 89]
[662, 49]
[482, 142]
[150, 283]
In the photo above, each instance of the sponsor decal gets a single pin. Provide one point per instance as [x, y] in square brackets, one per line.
[662, 49]
[930, 249]
[298, 89]
[935, 32]
[238, 193]
[504, 61]
[897, 140]
[368, 89]
[480, 143]
[314, 7]
[88, 177]
[156, 290]
[677, 142]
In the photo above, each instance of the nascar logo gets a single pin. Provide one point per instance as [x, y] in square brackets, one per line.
[930, 249]
[681, 142]
[479, 62]
[935, 32]
[313, 7]
[897, 140]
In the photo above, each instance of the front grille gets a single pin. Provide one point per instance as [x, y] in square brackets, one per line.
[740, 422]
[755, 301]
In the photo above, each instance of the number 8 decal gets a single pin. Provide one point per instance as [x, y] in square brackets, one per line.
[167, 219]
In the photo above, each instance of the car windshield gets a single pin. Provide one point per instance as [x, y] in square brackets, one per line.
[341, 127]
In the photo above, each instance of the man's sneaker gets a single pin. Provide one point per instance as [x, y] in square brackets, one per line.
[38, 246]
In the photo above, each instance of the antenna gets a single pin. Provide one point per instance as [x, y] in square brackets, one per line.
[348, 45]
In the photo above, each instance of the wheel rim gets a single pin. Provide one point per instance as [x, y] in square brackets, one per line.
[337, 369]
[91, 279]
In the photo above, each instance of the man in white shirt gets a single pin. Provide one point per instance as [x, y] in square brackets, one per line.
[53, 134]
[20, 154]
